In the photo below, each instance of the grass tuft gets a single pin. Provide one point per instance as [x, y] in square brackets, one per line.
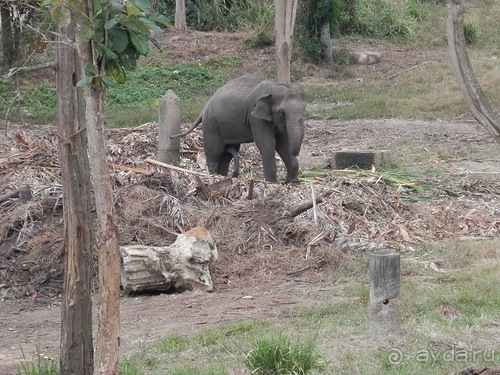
[280, 356]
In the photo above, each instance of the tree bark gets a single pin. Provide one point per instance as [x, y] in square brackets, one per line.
[327, 42]
[285, 12]
[478, 103]
[76, 318]
[180, 15]
[108, 332]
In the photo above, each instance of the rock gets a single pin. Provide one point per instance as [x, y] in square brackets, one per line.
[187, 264]
[368, 58]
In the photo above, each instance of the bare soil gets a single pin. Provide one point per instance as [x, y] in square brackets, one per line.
[262, 247]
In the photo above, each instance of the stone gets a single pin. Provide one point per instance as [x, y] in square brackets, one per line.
[362, 159]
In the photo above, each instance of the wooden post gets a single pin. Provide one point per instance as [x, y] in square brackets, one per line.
[169, 123]
[384, 293]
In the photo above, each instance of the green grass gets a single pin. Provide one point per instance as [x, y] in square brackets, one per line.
[38, 365]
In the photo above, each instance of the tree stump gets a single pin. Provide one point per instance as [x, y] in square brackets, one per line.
[384, 293]
[185, 265]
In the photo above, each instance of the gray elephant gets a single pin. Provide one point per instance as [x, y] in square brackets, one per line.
[250, 109]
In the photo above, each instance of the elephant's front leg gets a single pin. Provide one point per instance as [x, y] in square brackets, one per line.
[291, 162]
[266, 146]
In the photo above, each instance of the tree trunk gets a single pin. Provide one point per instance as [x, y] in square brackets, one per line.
[285, 12]
[327, 42]
[7, 39]
[76, 318]
[478, 103]
[108, 332]
[180, 15]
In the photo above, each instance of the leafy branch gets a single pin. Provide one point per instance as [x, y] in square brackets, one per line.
[120, 33]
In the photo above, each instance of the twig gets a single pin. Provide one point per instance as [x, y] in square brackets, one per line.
[406, 70]
[131, 169]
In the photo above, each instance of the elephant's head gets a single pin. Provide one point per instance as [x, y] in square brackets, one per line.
[284, 106]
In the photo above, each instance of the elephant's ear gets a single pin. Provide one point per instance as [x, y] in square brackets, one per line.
[262, 108]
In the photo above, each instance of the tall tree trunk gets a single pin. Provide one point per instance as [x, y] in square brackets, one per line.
[76, 319]
[7, 37]
[481, 108]
[327, 42]
[285, 12]
[180, 15]
[108, 332]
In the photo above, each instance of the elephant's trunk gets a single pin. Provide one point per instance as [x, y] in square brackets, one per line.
[295, 133]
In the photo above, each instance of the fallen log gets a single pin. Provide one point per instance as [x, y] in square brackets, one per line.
[187, 264]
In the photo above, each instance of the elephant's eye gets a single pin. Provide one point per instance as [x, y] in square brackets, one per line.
[281, 112]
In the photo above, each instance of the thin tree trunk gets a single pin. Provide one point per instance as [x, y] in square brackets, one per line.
[180, 15]
[76, 345]
[285, 12]
[7, 39]
[481, 108]
[108, 332]
[327, 42]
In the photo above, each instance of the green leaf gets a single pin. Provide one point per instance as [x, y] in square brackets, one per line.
[161, 19]
[99, 31]
[61, 16]
[85, 32]
[149, 24]
[102, 50]
[139, 43]
[155, 43]
[115, 70]
[115, 9]
[143, 5]
[113, 22]
[118, 39]
[86, 81]
[108, 81]
[90, 70]
[130, 23]
[129, 58]
[133, 10]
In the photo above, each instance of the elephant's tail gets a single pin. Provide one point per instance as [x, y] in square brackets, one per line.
[195, 124]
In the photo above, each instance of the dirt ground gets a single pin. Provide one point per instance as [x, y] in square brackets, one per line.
[262, 246]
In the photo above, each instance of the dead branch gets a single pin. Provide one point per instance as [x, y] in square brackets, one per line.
[305, 206]
[173, 167]
[406, 70]
[32, 68]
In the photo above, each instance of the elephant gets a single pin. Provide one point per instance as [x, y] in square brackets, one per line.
[251, 109]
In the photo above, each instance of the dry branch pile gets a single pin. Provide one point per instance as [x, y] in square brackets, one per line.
[263, 231]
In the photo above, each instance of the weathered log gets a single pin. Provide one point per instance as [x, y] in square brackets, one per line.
[185, 265]
[384, 293]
